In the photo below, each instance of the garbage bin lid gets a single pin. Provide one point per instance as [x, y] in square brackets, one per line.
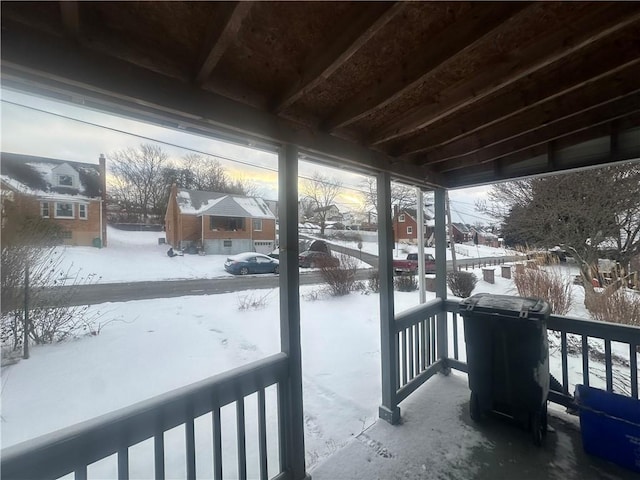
[518, 306]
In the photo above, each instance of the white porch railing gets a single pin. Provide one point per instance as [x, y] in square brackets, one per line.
[72, 449]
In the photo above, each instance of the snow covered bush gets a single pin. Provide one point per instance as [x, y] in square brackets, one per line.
[341, 279]
[461, 284]
[617, 306]
[547, 285]
[253, 301]
[405, 283]
[374, 281]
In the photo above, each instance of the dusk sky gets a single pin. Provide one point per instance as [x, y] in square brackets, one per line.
[37, 126]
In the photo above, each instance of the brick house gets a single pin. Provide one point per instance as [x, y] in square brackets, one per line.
[70, 194]
[223, 224]
[405, 225]
[481, 236]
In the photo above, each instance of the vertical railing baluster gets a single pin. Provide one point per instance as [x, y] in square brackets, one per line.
[242, 444]
[633, 364]
[433, 340]
[403, 336]
[123, 463]
[608, 365]
[80, 473]
[158, 454]
[585, 360]
[425, 347]
[217, 443]
[398, 360]
[410, 344]
[262, 435]
[190, 440]
[565, 368]
[455, 336]
[416, 347]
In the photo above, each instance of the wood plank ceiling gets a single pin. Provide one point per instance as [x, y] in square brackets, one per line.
[438, 93]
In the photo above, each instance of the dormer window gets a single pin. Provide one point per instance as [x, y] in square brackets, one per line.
[65, 180]
[401, 218]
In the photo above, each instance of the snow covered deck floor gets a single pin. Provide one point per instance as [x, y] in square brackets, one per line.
[438, 440]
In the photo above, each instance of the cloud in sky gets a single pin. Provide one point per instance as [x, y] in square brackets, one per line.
[54, 129]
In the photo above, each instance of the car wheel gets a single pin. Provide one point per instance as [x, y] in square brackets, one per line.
[244, 271]
[276, 270]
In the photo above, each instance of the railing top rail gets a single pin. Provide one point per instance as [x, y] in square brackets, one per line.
[418, 313]
[92, 440]
[610, 331]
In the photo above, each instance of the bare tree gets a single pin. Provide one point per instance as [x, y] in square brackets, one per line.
[403, 196]
[139, 183]
[580, 210]
[321, 191]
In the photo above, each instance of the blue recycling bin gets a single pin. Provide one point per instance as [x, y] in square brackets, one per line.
[610, 426]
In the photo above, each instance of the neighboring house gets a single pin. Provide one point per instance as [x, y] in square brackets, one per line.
[481, 236]
[70, 194]
[223, 224]
[461, 233]
[331, 214]
[405, 225]
[273, 206]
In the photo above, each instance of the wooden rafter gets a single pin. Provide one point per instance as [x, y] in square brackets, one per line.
[323, 61]
[553, 111]
[70, 18]
[602, 115]
[550, 49]
[219, 41]
[451, 43]
[537, 91]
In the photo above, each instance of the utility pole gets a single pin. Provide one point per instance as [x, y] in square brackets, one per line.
[450, 229]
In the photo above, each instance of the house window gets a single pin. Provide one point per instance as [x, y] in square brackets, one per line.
[44, 209]
[64, 210]
[409, 230]
[257, 224]
[401, 218]
[82, 211]
[226, 243]
[229, 224]
[65, 180]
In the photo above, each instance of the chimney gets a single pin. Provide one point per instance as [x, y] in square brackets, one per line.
[102, 161]
[395, 211]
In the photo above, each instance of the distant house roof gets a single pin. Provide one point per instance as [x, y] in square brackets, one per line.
[461, 227]
[326, 209]
[34, 176]
[198, 202]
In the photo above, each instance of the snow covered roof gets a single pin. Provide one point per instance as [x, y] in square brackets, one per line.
[198, 202]
[36, 176]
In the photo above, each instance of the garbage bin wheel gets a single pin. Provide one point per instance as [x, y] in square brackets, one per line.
[474, 407]
[539, 425]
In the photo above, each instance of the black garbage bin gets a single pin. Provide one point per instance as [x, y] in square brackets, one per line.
[508, 358]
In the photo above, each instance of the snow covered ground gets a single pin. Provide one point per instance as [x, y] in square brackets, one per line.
[148, 347]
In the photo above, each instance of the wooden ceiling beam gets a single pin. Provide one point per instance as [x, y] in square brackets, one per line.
[602, 21]
[219, 39]
[70, 14]
[534, 91]
[602, 115]
[548, 113]
[535, 160]
[322, 62]
[480, 23]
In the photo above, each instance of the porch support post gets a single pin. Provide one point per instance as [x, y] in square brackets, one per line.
[389, 409]
[290, 396]
[420, 228]
[441, 270]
